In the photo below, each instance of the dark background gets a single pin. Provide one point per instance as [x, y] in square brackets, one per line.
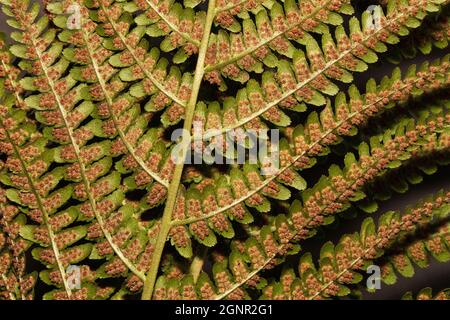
[437, 275]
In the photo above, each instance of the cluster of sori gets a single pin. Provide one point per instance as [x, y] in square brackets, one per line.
[281, 138]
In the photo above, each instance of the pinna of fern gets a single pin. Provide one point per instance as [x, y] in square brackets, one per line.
[416, 253]
[434, 34]
[389, 89]
[86, 114]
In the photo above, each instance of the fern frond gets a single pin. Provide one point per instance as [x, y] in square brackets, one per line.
[312, 79]
[342, 186]
[133, 57]
[417, 252]
[178, 170]
[339, 263]
[89, 188]
[320, 131]
[300, 82]
[427, 294]
[95, 174]
[257, 44]
[14, 283]
[400, 179]
[434, 34]
[170, 19]
[113, 107]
